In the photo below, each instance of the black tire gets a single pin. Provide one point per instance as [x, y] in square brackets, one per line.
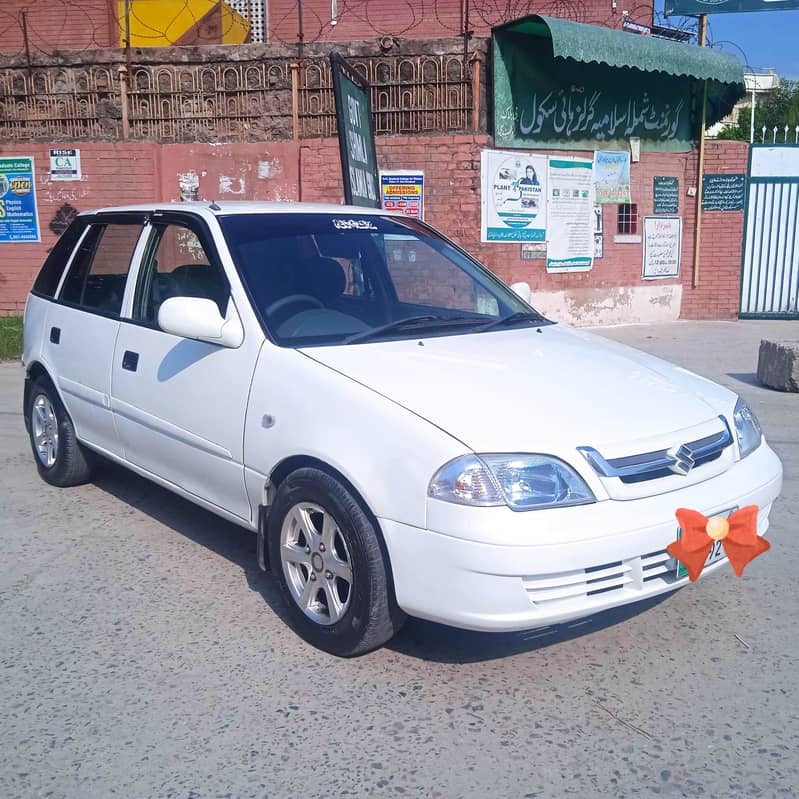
[73, 463]
[372, 616]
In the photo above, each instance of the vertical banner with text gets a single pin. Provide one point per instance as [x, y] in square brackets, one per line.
[356, 136]
[19, 217]
[571, 220]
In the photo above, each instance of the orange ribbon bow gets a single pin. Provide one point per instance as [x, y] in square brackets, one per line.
[738, 536]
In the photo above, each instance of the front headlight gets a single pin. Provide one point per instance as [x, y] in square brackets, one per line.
[747, 428]
[522, 482]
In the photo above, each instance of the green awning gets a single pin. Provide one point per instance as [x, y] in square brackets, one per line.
[592, 43]
[567, 85]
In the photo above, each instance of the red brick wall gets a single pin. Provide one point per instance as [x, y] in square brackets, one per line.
[718, 293]
[135, 172]
[58, 25]
[421, 19]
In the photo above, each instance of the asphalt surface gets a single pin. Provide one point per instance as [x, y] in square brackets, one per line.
[142, 654]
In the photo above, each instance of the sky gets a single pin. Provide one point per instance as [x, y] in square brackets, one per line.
[767, 38]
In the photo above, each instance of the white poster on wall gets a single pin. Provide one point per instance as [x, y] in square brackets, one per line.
[65, 164]
[513, 196]
[570, 214]
[662, 246]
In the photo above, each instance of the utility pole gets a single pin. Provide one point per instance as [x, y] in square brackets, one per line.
[701, 166]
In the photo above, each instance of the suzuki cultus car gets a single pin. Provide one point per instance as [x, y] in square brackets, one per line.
[403, 432]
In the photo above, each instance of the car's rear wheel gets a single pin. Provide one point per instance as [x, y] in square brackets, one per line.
[327, 556]
[59, 456]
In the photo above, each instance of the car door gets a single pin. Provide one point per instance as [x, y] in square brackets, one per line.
[180, 404]
[82, 325]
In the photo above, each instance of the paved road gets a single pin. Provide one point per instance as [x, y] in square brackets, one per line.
[143, 655]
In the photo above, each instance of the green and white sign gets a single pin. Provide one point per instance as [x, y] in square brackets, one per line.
[355, 135]
[666, 195]
[727, 6]
[541, 101]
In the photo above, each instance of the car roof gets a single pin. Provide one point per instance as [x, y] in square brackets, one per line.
[228, 207]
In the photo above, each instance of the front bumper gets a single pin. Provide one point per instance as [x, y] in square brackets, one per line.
[498, 570]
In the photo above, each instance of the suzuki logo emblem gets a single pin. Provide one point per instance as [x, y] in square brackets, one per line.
[683, 460]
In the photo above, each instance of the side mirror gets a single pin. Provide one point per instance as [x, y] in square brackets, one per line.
[523, 290]
[194, 317]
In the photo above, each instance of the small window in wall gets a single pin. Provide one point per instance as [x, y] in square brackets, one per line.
[627, 219]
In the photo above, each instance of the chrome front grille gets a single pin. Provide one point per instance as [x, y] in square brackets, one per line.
[677, 460]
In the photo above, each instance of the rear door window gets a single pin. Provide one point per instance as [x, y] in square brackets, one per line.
[99, 271]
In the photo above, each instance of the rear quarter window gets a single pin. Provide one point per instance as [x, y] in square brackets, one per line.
[49, 276]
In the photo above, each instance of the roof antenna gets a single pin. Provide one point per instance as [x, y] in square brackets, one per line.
[214, 207]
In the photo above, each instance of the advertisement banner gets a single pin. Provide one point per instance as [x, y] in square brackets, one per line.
[662, 247]
[19, 217]
[727, 6]
[514, 196]
[612, 176]
[402, 190]
[570, 215]
[65, 165]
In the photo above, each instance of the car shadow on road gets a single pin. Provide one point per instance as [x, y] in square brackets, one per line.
[419, 639]
[441, 644]
[201, 526]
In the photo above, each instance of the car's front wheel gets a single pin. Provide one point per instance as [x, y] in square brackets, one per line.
[59, 456]
[328, 559]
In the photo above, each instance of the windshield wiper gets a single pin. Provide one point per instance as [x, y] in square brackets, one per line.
[399, 324]
[519, 316]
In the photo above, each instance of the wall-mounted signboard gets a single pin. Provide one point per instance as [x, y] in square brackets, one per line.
[19, 217]
[65, 164]
[402, 190]
[356, 136]
[612, 176]
[723, 192]
[662, 246]
[571, 220]
[514, 196]
[666, 195]
[727, 6]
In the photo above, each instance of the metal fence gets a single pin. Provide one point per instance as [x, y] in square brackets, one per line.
[258, 98]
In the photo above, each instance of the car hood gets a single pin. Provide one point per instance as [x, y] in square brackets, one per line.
[544, 389]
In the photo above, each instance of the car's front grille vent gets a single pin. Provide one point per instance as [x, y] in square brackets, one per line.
[562, 589]
[661, 463]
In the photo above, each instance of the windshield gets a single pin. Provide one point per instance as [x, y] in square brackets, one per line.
[320, 279]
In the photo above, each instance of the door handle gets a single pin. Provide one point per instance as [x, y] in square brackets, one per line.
[55, 335]
[130, 361]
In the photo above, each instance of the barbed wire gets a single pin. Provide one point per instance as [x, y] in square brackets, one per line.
[27, 26]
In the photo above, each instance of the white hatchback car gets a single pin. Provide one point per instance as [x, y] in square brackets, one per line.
[401, 430]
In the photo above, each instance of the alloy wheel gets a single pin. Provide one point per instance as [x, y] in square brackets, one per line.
[45, 430]
[316, 563]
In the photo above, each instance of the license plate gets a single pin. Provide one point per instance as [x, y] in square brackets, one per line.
[716, 551]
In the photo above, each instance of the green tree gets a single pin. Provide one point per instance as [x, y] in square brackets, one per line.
[779, 108]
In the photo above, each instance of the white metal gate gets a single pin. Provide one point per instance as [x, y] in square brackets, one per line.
[770, 262]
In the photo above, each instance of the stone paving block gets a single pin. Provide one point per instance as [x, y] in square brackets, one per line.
[778, 364]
